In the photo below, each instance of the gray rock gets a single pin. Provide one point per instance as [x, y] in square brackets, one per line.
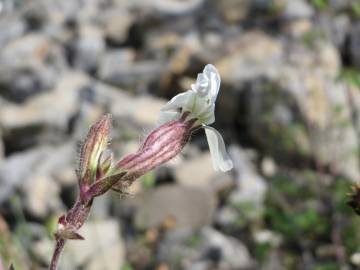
[250, 186]
[15, 27]
[226, 216]
[296, 9]
[204, 250]
[255, 56]
[116, 24]
[206, 177]
[44, 118]
[337, 29]
[234, 10]
[42, 195]
[175, 8]
[102, 249]
[191, 208]
[354, 45]
[2, 148]
[184, 173]
[88, 48]
[118, 68]
[300, 107]
[233, 253]
[16, 169]
[112, 61]
[29, 65]
[35, 173]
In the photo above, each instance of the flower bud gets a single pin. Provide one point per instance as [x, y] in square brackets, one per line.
[95, 143]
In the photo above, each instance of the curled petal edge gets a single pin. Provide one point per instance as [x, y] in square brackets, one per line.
[220, 158]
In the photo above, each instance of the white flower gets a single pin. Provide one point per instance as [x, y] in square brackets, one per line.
[199, 102]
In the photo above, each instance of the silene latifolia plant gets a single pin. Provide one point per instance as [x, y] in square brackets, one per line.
[97, 173]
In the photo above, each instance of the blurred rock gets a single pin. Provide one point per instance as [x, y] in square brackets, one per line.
[102, 249]
[16, 169]
[337, 29]
[129, 74]
[29, 65]
[2, 148]
[44, 118]
[233, 10]
[354, 45]
[88, 48]
[116, 23]
[206, 177]
[112, 61]
[175, 8]
[191, 208]
[255, 54]
[208, 248]
[202, 166]
[15, 27]
[35, 173]
[226, 216]
[301, 106]
[41, 195]
[232, 253]
[297, 9]
[251, 187]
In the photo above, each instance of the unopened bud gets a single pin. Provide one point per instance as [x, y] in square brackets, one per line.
[95, 143]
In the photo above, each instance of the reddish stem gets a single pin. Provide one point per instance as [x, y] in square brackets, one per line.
[60, 243]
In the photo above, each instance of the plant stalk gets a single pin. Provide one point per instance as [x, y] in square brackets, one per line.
[60, 243]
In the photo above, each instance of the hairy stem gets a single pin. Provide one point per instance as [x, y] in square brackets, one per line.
[60, 243]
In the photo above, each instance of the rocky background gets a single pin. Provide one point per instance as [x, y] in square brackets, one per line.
[289, 110]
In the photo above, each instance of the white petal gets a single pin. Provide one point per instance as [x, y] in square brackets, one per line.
[207, 117]
[214, 80]
[220, 158]
[179, 101]
[167, 116]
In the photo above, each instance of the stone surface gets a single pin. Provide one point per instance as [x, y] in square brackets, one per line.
[295, 9]
[16, 169]
[102, 249]
[296, 108]
[29, 65]
[2, 148]
[255, 54]
[44, 122]
[35, 174]
[354, 42]
[88, 48]
[191, 208]
[233, 253]
[116, 23]
[131, 74]
[208, 248]
[203, 168]
[250, 186]
[15, 27]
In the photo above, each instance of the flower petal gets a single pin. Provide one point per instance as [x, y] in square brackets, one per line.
[220, 158]
[177, 102]
[214, 81]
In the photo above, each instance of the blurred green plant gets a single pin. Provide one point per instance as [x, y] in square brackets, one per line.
[127, 266]
[320, 4]
[350, 76]
[311, 37]
[355, 8]
[148, 180]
